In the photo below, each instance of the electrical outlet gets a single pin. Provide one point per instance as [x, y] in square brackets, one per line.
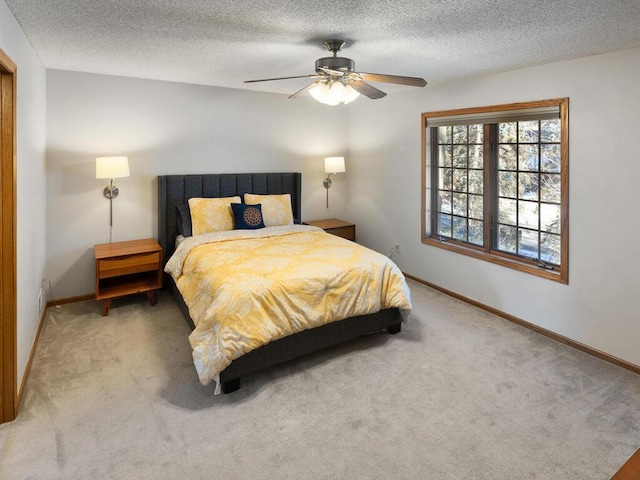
[396, 248]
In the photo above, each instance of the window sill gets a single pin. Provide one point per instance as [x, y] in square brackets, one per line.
[559, 275]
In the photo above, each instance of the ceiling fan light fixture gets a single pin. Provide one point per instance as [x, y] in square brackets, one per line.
[333, 93]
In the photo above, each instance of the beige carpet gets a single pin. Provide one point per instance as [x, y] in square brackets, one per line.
[459, 394]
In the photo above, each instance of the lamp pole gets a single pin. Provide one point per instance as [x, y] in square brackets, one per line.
[327, 185]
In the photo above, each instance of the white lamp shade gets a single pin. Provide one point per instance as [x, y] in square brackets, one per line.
[334, 165]
[112, 167]
[349, 94]
[320, 92]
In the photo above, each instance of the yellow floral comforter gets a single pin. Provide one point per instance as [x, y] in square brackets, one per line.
[245, 288]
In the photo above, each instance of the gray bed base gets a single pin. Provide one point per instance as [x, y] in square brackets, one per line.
[174, 190]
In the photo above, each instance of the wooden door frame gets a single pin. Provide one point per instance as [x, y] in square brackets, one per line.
[8, 264]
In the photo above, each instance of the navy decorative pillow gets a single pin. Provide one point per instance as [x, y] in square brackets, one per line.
[183, 217]
[247, 217]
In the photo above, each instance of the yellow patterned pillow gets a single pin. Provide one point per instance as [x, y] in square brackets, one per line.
[276, 209]
[211, 214]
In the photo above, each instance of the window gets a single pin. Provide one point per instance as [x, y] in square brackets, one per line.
[495, 184]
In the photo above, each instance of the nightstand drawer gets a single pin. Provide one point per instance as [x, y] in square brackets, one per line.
[126, 265]
[335, 226]
[345, 232]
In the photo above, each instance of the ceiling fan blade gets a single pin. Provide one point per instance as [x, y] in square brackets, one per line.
[379, 77]
[313, 75]
[302, 90]
[366, 89]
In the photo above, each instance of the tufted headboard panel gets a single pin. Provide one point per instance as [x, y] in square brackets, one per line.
[174, 190]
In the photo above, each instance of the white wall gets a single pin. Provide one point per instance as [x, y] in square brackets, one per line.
[598, 307]
[31, 200]
[167, 128]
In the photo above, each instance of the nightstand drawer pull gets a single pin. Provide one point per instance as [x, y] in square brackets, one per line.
[126, 265]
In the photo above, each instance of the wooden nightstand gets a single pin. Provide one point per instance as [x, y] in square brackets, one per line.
[337, 227]
[124, 268]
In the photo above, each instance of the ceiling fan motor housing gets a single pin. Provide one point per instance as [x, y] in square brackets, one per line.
[335, 63]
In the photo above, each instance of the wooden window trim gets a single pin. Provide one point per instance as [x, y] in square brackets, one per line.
[561, 274]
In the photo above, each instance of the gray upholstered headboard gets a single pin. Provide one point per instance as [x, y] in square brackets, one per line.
[174, 190]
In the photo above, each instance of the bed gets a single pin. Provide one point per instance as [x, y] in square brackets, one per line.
[175, 191]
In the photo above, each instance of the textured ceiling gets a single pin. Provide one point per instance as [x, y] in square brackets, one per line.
[222, 43]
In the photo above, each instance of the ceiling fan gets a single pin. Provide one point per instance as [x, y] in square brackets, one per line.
[338, 82]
